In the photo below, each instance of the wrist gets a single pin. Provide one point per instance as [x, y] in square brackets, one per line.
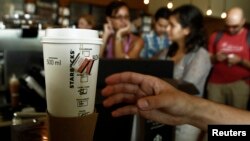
[126, 56]
[118, 38]
[105, 37]
[241, 61]
[198, 113]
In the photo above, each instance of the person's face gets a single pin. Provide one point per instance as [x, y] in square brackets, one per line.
[234, 26]
[161, 26]
[234, 21]
[82, 23]
[175, 31]
[120, 19]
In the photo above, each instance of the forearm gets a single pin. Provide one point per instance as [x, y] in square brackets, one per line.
[206, 112]
[213, 59]
[161, 55]
[245, 63]
[102, 48]
[118, 49]
[104, 45]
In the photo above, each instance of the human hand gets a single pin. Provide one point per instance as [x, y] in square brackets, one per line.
[108, 29]
[221, 56]
[125, 30]
[147, 96]
[233, 59]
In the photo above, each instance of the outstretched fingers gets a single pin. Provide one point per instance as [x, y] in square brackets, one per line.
[119, 98]
[126, 110]
[125, 77]
[122, 88]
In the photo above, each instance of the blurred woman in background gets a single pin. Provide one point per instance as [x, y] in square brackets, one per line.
[191, 59]
[86, 21]
[118, 41]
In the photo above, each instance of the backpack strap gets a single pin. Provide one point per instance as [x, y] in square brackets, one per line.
[220, 33]
[218, 37]
[248, 38]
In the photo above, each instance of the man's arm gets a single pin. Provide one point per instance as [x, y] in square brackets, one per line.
[154, 99]
[234, 59]
[207, 112]
[245, 63]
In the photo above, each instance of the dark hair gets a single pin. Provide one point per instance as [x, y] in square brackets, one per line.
[163, 12]
[191, 17]
[89, 18]
[114, 6]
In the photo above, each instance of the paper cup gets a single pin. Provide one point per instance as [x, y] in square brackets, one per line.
[71, 58]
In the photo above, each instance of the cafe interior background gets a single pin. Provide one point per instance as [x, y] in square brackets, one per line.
[23, 22]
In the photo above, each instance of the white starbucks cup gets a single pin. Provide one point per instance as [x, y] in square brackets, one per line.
[71, 58]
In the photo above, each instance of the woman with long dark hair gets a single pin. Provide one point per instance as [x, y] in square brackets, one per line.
[191, 59]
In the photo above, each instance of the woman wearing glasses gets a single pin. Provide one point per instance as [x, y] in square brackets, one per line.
[118, 41]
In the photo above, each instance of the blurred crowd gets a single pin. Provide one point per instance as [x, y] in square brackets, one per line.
[217, 65]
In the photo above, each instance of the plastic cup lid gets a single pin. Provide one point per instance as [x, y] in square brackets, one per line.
[87, 35]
